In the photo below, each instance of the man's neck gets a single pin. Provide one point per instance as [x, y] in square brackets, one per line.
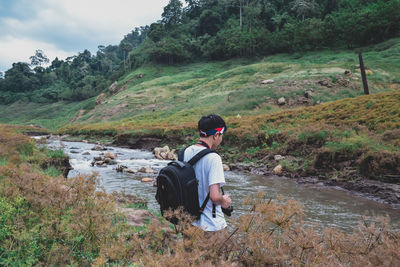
[206, 141]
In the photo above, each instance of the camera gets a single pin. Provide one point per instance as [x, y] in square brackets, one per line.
[227, 211]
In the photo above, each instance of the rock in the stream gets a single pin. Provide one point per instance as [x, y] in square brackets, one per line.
[146, 170]
[172, 155]
[86, 153]
[110, 155]
[164, 153]
[277, 170]
[100, 162]
[147, 180]
[130, 170]
[98, 158]
[99, 148]
[225, 167]
[120, 168]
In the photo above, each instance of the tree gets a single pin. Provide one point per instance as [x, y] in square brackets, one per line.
[251, 12]
[193, 8]
[304, 8]
[56, 63]
[125, 46]
[1, 75]
[39, 58]
[172, 13]
[20, 78]
[169, 50]
[210, 22]
[157, 32]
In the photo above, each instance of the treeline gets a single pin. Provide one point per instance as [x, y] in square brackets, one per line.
[208, 29]
[224, 29]
[74, 79]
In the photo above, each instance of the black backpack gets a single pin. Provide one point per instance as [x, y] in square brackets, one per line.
[177, 186]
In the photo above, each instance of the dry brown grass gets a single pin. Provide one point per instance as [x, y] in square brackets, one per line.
[57, 221]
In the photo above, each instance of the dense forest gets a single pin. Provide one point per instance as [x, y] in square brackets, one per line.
[205, 30]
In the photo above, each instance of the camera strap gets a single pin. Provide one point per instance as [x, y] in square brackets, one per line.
[204, 206]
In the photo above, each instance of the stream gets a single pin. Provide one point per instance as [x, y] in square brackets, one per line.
[325, 206]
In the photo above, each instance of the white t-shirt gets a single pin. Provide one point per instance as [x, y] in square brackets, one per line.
[208, 171]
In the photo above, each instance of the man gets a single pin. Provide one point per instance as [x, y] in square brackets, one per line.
[210, 173]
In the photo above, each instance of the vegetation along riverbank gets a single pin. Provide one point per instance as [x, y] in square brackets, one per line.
[344, 142]
[49, 220]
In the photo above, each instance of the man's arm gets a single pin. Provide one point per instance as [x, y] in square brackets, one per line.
[217, 198]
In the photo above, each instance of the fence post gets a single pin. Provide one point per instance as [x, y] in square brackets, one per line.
[363, 75]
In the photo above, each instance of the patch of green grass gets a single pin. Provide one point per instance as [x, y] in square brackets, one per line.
[341, 133]
[52, 171]
[290, 165]
[141, 206]
[370, 104]
[253, 150]
[50, 116]
[313, 136]
[344, 146]
[26, 149]
[3, 161]
[57, 153]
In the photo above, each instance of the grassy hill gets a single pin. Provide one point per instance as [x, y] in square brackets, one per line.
[175, 94]
[326, 126]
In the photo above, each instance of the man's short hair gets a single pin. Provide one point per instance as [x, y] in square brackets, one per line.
[209, 123]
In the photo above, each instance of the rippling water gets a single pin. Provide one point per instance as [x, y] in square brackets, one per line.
[323, 205]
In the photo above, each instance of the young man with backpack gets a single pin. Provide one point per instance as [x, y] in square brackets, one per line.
[195, 180]
[209, 173]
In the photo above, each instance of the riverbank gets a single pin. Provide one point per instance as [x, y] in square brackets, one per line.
[345, 209]
[353, 143]
[379, 191]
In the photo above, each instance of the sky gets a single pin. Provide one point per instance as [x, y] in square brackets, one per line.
[62, 28]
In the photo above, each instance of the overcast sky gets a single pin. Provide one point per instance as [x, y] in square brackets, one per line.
[65, 27]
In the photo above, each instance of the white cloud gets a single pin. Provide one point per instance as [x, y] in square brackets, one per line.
[19, 50]
[70, 26]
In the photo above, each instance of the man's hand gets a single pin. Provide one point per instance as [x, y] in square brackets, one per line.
[226, 201]
[217, 198]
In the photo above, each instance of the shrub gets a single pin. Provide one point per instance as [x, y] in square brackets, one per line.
[313, 137]
[344, 146]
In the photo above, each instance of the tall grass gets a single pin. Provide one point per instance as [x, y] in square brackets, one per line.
[54, 221]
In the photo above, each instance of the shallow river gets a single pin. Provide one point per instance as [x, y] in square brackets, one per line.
[323, 205]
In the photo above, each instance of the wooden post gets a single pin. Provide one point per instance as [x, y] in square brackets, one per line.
[363, 75]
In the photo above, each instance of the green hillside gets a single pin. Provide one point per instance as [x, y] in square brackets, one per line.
[234, 87]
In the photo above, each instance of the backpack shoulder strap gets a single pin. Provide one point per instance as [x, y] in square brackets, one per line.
[199, 155]
[181, 154]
